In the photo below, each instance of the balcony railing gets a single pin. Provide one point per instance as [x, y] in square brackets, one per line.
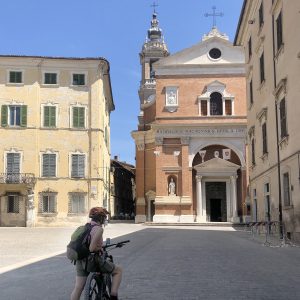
[17, 178]
[149, 83]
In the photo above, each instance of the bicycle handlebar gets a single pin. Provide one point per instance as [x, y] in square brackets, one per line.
[117, 245]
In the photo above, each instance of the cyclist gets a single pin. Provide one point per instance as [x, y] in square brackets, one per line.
[98, 216]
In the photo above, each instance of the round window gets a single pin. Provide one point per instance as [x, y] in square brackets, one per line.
[215, 53]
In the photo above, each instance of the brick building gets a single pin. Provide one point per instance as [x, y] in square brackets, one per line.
[190, 142]
[122, 187]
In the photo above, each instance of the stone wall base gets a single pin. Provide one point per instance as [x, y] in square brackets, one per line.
[173, 219]
[140, 219]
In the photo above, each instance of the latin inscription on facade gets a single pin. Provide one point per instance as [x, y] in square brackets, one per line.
[202, 132]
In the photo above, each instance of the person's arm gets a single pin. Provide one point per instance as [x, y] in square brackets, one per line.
[95, 241]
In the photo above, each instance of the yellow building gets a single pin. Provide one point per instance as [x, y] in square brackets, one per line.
[267, 31]
[55, 139]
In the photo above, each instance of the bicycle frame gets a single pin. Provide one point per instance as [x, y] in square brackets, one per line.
[98, 286]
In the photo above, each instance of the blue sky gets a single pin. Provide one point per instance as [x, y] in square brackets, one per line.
[114, 29]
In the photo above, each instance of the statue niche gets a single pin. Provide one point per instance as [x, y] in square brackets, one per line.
[172, 187]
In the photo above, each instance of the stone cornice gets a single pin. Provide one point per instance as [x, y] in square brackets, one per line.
[188, 69]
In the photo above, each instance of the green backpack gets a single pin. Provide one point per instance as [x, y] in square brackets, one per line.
[78, 248]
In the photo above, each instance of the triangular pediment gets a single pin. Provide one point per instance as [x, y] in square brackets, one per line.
[216, 165]
[198, 54]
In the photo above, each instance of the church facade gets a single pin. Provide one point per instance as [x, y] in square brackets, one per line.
[190, 141]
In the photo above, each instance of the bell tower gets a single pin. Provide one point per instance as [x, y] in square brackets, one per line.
[153, 49]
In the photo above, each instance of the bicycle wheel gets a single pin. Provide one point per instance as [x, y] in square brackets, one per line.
[93, 287]
[106, 286]
[97, 287]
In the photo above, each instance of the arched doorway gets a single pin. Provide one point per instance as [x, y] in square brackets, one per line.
[216, 187]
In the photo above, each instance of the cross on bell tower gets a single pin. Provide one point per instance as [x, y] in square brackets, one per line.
[154, 5]
[214, 15]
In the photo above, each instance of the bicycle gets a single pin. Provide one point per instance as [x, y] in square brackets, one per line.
[98, 285]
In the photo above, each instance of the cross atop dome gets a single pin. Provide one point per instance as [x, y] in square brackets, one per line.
[214, 15]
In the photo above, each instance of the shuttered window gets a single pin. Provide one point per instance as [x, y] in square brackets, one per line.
[13, 167]
[4, 115]
[49, 165]
[77, 203]
[78, 117]
[251, 92]
[14, 115]
[279, 31]
[262, 68]
[78, 165]
[261, 15]
[48, 203]
[15, 77]
[13, 163]
[283, 118]
[49, 116]
[286, 189]
[249, 48]
[203, 107]
[253, 151]
[228, 107]
[264, 138]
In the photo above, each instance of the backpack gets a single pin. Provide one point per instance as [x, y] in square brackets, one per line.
[78, 248]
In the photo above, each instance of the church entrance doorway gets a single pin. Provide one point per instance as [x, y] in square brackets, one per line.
[216, 201]
[215, 210]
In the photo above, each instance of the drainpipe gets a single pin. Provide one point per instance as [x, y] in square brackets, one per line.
[277, 137]
[89, 131]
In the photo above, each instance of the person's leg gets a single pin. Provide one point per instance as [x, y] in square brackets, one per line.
[116, 280]
[79, 286]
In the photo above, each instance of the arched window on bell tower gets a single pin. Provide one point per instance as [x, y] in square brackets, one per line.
[216, 104]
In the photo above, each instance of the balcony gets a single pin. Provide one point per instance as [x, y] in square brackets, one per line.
[150, 83]
[17, 178]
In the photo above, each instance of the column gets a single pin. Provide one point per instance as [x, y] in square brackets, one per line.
[200, 217]
[140, 216]
[30, 209]
[186, 186]
[235, 218]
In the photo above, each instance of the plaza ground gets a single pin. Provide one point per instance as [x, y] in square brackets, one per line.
[173, 262]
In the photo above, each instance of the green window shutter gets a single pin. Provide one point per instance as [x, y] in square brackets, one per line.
[78, 117]
[49, 165]
[46, 116]
[24, 115]
[78, 165]
[75, 116]
[49, 116]
[81, 117]
[4, 116]
[52, 116]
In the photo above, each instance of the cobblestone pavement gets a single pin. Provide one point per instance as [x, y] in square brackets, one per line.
[179, 263]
